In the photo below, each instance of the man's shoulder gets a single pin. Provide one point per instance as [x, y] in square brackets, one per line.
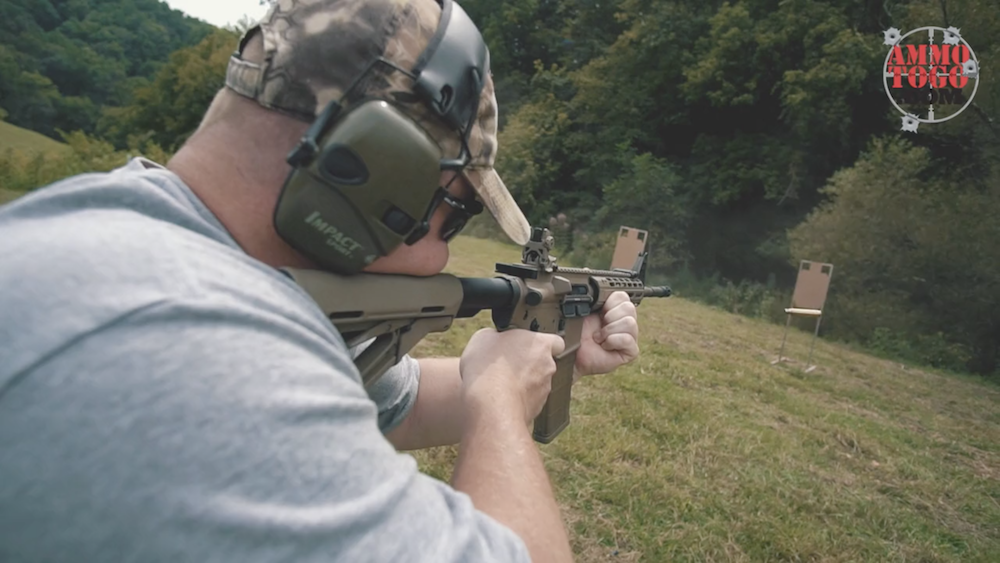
[135, 229]
[85, 209]
[91, 249]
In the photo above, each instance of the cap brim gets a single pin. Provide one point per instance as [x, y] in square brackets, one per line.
[496, 197]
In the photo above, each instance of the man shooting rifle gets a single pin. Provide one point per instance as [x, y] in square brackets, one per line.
[168, 392]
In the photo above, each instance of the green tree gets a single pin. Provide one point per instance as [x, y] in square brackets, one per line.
[170, 108]
[646, 196]
[914, 255]
[88, 51]
[754, 104]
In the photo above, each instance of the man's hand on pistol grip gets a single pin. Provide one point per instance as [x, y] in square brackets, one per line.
[513, 368]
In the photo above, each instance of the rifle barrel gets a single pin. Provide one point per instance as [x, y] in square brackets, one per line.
[486, 293]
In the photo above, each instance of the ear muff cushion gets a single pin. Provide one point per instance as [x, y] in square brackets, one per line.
[376, 172]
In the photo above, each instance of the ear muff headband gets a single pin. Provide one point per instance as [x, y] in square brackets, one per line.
[452, 69]
[364, 181]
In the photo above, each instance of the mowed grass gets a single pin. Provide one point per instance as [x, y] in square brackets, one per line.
[29, 144]
[702, 450]
[8, 195]
[14, 137]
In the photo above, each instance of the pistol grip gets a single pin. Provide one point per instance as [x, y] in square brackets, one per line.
[554, 417]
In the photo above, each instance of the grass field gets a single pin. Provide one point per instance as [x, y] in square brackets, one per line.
[28, 143]
[701, 450]
[7, 195]
[14, 137]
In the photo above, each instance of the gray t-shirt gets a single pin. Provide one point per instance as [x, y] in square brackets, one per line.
[165, 397]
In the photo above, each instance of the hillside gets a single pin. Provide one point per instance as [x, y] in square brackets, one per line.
[701, 450]
[14, 137]
[24, 142]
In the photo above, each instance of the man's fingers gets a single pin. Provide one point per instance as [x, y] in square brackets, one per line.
[625, 325]
[616, 298]
[625, 344]
[624, 308]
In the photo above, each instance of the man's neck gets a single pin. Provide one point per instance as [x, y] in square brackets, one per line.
[240, 184]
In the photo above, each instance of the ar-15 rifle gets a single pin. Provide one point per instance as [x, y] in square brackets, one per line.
[398, 311]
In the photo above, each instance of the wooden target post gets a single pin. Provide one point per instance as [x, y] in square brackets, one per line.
[630, 244]
[811, 287]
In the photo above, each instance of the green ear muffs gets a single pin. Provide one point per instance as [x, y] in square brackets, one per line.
[366, 180]
[364, 191]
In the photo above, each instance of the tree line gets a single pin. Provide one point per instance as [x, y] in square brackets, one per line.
[64, 63]
[744, 135]
[748, 135]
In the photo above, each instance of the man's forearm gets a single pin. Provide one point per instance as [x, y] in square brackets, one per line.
[436, 417]
[499, 464]
[500, 468]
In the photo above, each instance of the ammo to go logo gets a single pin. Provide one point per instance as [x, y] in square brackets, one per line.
[930, 74]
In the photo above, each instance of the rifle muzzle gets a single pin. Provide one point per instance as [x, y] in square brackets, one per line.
[657, 291]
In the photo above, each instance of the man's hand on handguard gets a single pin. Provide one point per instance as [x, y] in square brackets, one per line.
[610, 339]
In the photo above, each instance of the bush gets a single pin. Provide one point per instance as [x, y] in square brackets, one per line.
[933, 350]
[889, 343]
[750, 299]
[914, 252]
[644, 197]
[591, 250]
[22, 171]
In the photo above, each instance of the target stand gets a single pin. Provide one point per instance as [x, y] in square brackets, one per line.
[811, 287]
[630, 244]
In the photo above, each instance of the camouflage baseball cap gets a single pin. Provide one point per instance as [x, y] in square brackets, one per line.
[314, 50]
